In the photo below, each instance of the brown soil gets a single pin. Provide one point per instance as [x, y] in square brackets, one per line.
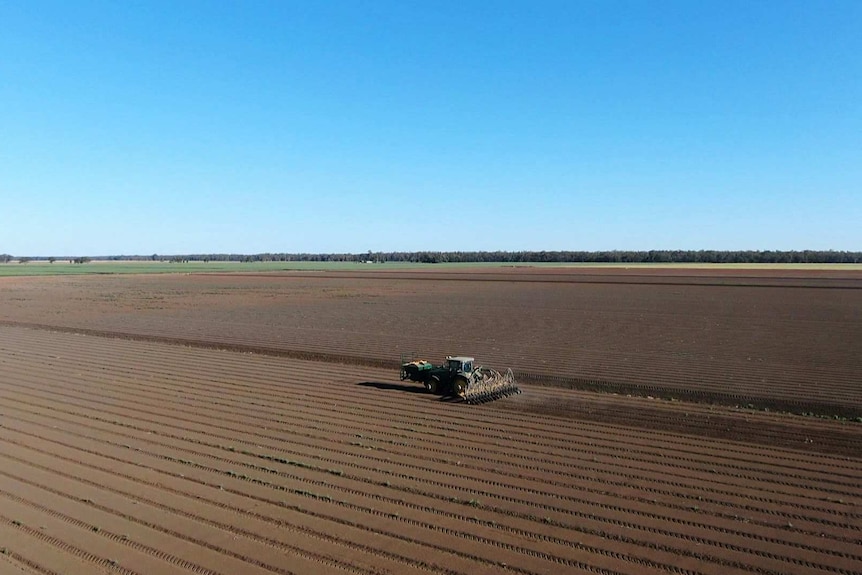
[786, 340]
[133, 454]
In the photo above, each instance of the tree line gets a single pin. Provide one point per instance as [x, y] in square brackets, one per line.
[6, 258]
[606, 256]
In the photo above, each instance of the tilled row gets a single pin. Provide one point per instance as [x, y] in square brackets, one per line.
[725, 381]
[173, 416]
[98, 451]
[713, 471]
[314, 439]
[600, 489]
[210, 380]
[35, 470]
[189, 505]
[346, 477]
[809, 564]
[574, 447]
[366, 524]
[671, 567]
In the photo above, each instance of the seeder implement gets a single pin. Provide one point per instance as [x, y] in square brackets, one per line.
[458, 377]
[491, 386]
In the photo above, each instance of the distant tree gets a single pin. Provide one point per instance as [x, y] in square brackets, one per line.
[5, 258]
[52, 260]
[615, 256]
[23, 260]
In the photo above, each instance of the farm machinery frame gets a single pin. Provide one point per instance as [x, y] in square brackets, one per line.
[459, 376]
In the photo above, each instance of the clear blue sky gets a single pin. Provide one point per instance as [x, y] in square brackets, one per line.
[286, 126]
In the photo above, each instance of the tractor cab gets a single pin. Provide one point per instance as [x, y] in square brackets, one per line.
[458, 376]
[460, 364]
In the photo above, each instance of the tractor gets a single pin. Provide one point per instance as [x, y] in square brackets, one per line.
[458, 376]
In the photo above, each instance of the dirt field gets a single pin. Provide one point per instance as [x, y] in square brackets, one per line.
[786, 340]
[135, 454]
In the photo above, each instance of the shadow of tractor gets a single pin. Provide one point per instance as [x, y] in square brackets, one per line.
[393, 386]
[406, 389]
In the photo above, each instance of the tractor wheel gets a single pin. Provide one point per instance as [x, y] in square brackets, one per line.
[459, 386]
[432, 384]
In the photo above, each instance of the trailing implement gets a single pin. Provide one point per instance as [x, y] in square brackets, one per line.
[459, 377]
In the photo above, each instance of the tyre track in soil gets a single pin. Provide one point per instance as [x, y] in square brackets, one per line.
[699, 498]
[412, 560]
[321, 396]
[185, 564]
[402, 568]
[447, 550]
[407, 562]
[270, 457]
[813, 437]
[38, 554]
[79, 548]
[806, 564]
[689, 407]
[14, 562]
[663, 463]
[566, 472]
[338, 373]
[811, 565]
[581, 546]
[789, 393]
[58, 503]
[195, 499]
[802, 477]
[559, 560]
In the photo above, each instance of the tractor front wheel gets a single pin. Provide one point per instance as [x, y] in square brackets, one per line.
[459, 386]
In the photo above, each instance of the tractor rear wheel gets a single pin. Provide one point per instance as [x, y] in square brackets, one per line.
[432, 384]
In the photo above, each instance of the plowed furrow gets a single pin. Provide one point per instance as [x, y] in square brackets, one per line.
[700, 540]
[336, 374]
[226, 473]
[698, 500]
[709, 476]
[164, 458]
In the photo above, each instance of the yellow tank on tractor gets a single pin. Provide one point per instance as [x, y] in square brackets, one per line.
[459, 376]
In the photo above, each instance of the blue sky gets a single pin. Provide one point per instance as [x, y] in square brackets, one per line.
[248, 126]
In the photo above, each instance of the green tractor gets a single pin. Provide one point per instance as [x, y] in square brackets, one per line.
[458, 376]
